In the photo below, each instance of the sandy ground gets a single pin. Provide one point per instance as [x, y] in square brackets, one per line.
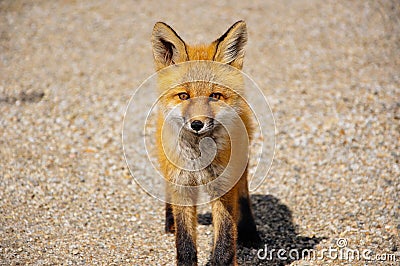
[330, 70]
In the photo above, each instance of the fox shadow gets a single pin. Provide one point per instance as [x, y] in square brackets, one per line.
[277, 231]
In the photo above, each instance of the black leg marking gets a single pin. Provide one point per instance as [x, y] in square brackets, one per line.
[185, 246]
[224, 250]
[169, 219]
[247, 230]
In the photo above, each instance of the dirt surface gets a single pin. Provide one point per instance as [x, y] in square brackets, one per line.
[330, 70]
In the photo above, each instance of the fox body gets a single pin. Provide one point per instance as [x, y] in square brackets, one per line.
[203, 131]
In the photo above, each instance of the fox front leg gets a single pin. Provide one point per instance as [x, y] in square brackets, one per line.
[169, 219]
[246, 226]
[185, 234]
[225, 233]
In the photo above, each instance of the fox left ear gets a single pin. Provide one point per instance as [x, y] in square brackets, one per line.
[230, 46]
[168, 47]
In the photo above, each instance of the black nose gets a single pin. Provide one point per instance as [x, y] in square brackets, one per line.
[197, 125]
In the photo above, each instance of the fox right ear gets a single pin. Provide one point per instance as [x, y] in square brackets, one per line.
[230, 46]
[168, 47]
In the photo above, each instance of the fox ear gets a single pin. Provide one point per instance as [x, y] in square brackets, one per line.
[230, 46]
[168, 47]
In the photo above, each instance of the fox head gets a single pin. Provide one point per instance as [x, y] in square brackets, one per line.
[200, 95]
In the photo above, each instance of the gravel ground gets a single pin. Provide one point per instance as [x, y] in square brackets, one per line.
[330, 70]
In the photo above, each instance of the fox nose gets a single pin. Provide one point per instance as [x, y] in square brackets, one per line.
[197, 125]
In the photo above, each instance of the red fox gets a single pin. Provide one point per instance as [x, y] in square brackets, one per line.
[190, 112]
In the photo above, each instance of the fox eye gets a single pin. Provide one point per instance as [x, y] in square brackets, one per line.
[183, 96]
[215, 96]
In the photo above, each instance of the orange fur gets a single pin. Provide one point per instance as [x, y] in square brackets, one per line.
[170, 49]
